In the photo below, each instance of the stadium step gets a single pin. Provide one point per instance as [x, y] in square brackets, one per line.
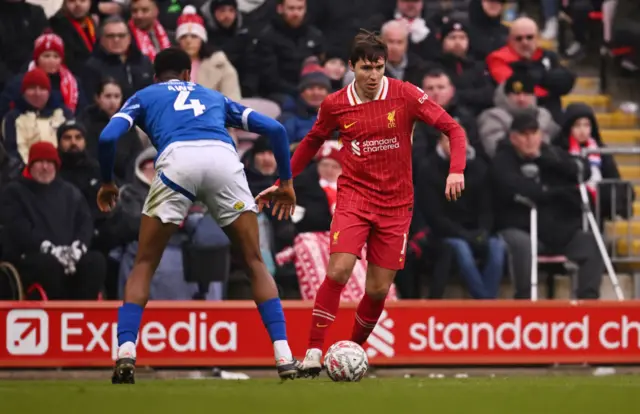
[617, 119]
[636, 208]
[626, 247]
[629, 172]
[622, 159]
[616, 137]
[599, 103]
[622, 228]
[586, 85]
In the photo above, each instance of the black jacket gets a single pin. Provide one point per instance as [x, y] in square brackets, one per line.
[555, 193]
[474, 86]
[313, 199]
[340, 20]
[281, 51]
[460, 218]
[20, 25]
[128, 147]
[83, 171]
[486, 34]
[76, 51]
[32, 213]
[133, 74]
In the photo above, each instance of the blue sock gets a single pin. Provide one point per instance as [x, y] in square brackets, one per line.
[273, 319]
[129, 317]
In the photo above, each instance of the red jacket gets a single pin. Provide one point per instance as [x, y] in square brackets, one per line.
[499, 63]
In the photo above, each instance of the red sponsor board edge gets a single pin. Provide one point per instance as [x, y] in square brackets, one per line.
[194, 333]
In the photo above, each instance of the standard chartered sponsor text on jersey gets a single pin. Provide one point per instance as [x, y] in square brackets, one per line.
[196, 334]
[516, 335]
[383, 144]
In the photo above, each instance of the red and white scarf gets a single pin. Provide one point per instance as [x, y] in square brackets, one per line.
[144, 41]
[68, 86]
[310, 254]
[331, 190]
[595, 162]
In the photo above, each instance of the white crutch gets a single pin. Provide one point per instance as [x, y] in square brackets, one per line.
[533, 232]
[586, 207]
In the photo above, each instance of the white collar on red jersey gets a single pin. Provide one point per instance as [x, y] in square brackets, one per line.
[354, 99]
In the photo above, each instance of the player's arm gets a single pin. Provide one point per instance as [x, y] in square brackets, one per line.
[321, 131]
[119, 125]
[433, 114]
[239, 116]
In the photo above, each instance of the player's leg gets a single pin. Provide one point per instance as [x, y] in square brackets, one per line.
[386, 250]
[349, 231]
[166, 206]
[243, 233]
[230, 202]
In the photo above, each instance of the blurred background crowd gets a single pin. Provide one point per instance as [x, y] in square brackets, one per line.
[520, 76]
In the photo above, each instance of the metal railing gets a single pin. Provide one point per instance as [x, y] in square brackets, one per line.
[614, 204]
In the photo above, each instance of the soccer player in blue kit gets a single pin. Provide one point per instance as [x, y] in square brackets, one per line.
[196, 160]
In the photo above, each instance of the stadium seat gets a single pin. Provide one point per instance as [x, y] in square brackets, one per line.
[553, 265]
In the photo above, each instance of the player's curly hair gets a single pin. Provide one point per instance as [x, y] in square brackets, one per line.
[171, 61]
[367, 46]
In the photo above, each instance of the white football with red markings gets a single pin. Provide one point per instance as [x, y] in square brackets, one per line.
[346, 361]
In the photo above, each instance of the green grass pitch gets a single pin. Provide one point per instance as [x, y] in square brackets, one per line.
[513, 395]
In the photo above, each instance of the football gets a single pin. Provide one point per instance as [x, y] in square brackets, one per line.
[346, 361]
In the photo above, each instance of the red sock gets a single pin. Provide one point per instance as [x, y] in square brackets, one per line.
[324, 311]
[367, 315]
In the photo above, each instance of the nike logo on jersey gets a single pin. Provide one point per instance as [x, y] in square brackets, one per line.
[347, 126]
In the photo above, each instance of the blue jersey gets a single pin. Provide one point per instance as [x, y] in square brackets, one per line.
[176, 111]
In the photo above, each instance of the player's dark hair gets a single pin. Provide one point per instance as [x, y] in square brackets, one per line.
[367, 46]
[107, 81]
[171, 61]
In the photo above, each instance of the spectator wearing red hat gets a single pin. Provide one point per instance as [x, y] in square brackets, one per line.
[20, 24]
[300, 115]
[50, 227]
[209, 68]
[36, 116]
[78, 31]
[48, 54]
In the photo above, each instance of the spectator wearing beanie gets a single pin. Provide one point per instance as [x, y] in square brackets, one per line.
[36, 116]
[50, 228]
[515, 96]
[78, 167]
[20, 24]
[73, 23]
[209, 68]
[314, 87]
[48, 54]
[336, 69]
[474, 86]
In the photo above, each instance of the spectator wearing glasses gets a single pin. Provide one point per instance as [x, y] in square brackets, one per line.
[551, 79]
[116, 57]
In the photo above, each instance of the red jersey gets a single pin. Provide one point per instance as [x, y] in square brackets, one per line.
[377, 141]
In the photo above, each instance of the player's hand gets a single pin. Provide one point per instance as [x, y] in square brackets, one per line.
[107, 197]
[455, 185]
[283, 198]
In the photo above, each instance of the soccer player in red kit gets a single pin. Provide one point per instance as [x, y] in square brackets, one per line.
[375, 116]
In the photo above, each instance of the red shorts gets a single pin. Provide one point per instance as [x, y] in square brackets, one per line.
[385, 236]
